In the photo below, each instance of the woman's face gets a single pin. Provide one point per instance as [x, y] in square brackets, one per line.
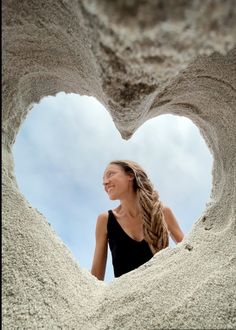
[116, 182]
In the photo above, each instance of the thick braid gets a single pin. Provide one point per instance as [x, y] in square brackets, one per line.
[154, 226]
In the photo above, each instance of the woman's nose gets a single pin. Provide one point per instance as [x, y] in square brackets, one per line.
[106, 181]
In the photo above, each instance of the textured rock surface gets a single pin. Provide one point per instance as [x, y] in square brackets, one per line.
[140, 59]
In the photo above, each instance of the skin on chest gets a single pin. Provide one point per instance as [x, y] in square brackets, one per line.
[132, 226]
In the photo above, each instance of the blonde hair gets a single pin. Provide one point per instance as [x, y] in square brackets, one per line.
[151, 209]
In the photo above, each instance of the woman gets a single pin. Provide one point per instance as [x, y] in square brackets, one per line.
[138, 228]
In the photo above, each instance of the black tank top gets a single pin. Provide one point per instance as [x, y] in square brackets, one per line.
[127, 253]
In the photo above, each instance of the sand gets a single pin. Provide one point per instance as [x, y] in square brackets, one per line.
[140, 60]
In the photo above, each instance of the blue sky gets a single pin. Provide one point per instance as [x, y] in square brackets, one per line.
[65, 144]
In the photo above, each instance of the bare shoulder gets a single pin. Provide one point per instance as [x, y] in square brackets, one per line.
[169, 215]
[102, 217]
[170, 218]
[172, 224]
[167, 210]
[102, 222]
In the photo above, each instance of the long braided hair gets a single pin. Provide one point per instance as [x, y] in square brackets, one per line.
[151, 209]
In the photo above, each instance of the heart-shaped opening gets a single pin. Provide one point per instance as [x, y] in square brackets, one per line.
[67, 141]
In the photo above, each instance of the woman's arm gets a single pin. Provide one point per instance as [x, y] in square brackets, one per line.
[100, 254]
[173, 226]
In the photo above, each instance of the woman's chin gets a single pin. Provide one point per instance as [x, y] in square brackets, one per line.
[112, 197]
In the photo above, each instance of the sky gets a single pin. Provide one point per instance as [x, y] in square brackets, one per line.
[64, 146]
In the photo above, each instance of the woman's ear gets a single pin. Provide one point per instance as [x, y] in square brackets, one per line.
[131, 176]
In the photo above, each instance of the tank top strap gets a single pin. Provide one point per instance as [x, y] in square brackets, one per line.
[112, 224]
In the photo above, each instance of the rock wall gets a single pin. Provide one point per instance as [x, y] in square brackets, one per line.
[140, 59]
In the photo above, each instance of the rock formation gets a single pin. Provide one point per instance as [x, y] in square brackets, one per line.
[140, 59]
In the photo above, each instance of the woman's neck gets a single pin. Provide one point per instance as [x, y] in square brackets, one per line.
[129, 206]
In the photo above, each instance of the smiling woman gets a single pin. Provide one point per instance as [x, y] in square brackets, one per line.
[64, 145]
[138, 228]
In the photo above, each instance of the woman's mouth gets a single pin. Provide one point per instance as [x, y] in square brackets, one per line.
[110, 189]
